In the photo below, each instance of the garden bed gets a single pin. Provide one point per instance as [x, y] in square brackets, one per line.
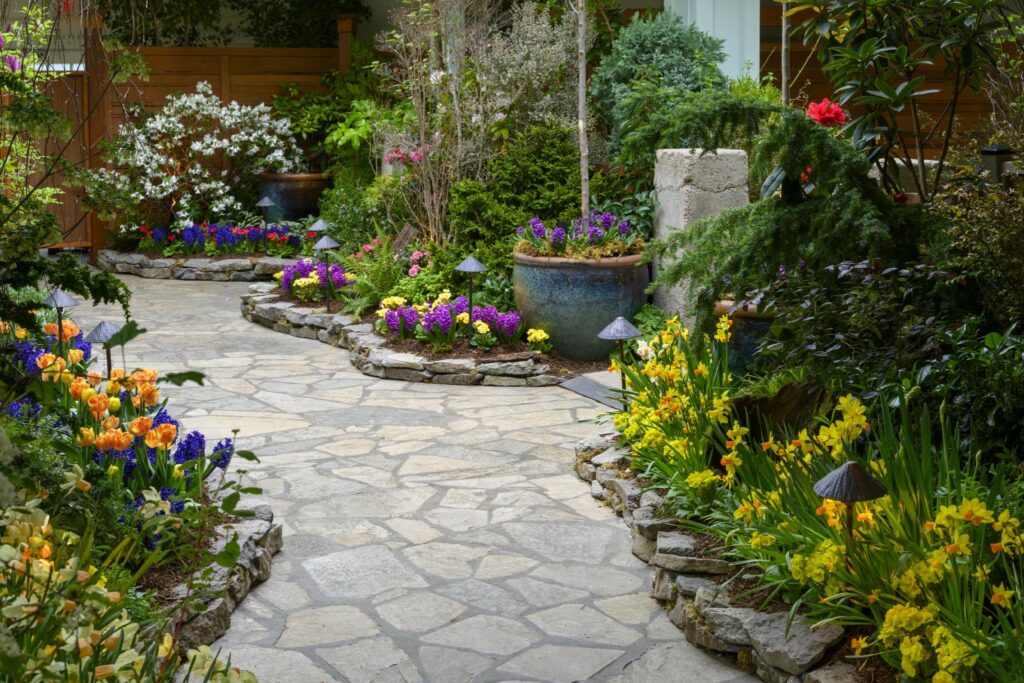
[376, 356]
[224, 268]
[701, 593]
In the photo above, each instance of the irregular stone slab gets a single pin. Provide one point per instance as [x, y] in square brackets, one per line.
[561, 542]
[272, 311]
[521, 368]
[627, 490]
[447, 560]
[453, 666]
[603, 581]
[586, 471]
[712, 596]
[592, 445]
[391, 359]
[561, 663]
[458, 380]
[377, 659]
[680, 662]
[228, 265]
[271, 265]
[651, 499]
[543, 594]
[544, 381]
[611, 457]
[405, 375]
[687, 586]
[502, 381]
[643, 547]
[326, 625]
[451, 366]
[420, 611]
[795, 652]
[685, 616]
[582, 623]
[361, 572]
[768, 673]
[646, 525]
[664, 582]
[633, 608]
[676, 552]
[280, 666]
[728, 623]
[834, 672]
[598, 491]
[485, 633]
[499, 566]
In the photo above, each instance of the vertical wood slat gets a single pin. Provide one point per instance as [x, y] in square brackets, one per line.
[249, 75]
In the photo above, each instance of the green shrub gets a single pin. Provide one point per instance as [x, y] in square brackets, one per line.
[343, 206]
[663, 50]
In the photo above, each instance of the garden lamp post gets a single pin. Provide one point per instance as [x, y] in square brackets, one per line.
[994, 159]
[101, 334]
[60, 300]
[849, 484]
[470, 267]
[319, 226]
[619, 330]
[325, 244]
[264, 205]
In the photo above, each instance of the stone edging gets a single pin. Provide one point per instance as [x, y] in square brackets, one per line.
[258, 540]
[758, 641]
[263, 306]
[247, 269]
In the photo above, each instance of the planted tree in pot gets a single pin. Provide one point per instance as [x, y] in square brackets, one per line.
[572, 281]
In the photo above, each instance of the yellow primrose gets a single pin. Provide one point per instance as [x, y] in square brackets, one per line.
[462, 318]
[1001, 596]
[481, 327]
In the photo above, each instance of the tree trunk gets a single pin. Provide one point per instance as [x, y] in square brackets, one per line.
[581, 9]
[784, 76]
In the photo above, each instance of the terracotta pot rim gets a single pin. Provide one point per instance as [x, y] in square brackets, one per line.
[607, 262]
[744, 310]
[292, 176]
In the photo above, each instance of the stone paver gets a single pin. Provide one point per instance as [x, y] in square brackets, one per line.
[432, 533]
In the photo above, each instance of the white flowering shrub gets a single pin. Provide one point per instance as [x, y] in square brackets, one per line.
[195, 158]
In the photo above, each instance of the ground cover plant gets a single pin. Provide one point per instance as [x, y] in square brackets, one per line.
[222, 240]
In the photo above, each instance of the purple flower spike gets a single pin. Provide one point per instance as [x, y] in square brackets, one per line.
[625, 227]
[537, 228]
[392, 321]
[520, 230]
[558, 235]
[12, 63]
[460, 306]
[594, 234]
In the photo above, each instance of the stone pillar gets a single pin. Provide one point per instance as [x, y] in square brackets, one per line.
[690, 187]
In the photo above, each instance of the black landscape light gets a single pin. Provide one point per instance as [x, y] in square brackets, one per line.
[849, 484]
[620, 330]
[60, 301]
[101, 334]
[470, 267]
[326, 243]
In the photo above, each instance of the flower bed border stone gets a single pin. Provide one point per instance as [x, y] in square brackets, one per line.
[264, 306]
[241, 269]
[259, 539]
[759, 642]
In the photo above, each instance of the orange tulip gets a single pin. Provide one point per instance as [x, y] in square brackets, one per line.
[161, 436]
[77, 387]
[110, 422]
[140, 425]
[87, 437]
[95, 377]
[147, 395]
[76, 355]
[98, 405]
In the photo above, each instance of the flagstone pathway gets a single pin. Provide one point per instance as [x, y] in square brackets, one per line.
[432, 533]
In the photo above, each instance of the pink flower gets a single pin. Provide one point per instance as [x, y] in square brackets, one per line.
[414, 271]
[416, 256]
[358, 256]
[367, 248]
[826, 113]
[416, 157]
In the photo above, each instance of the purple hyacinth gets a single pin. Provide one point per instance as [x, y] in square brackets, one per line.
[507, 324]
[625, 227]
[607, 220]
[594, 234]
[537, 228]
[460, 306]
[489, 314]
[443, 317]
[392, 320]
[12, 63]
[558, 235]
[521, 230]
[410, 316]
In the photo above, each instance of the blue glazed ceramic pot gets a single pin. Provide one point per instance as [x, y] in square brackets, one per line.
[572, 300]
[295, 195]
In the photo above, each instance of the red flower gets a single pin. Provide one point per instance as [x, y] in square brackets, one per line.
[171, 237]
[805, 177]
[310, 235]
[826, 113]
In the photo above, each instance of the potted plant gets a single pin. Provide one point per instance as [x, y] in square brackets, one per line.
[295, 195]
[572, 281]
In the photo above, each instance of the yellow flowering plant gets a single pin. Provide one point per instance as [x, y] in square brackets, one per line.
[932, 570]
[678, 397]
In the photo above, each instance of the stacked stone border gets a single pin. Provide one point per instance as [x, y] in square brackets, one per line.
[264, 306]
[247, 269]
[259, 539]
[759, 642]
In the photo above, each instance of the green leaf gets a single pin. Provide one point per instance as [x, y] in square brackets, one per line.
[230, 503]
[130, 331]
[229, 555]
[246, 455]
[180, 378]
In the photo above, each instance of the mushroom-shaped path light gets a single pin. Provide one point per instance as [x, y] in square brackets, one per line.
[849, 483]
[59, 300]
[101, 334]
[325, 243]
[470, 267]
[619, 330]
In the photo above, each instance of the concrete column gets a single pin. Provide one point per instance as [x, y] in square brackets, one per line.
[738, 22]
[691, 187]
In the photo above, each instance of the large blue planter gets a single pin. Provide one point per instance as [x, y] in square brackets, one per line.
[573, 300]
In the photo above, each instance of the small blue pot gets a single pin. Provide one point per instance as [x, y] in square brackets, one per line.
[573, 300]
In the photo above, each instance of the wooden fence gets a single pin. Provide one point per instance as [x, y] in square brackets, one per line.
[813, 85]
[246, 75]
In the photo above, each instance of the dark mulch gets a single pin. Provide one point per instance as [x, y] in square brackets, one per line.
[164, 578]
[744, 591]
[870, 669]
[560, 365]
